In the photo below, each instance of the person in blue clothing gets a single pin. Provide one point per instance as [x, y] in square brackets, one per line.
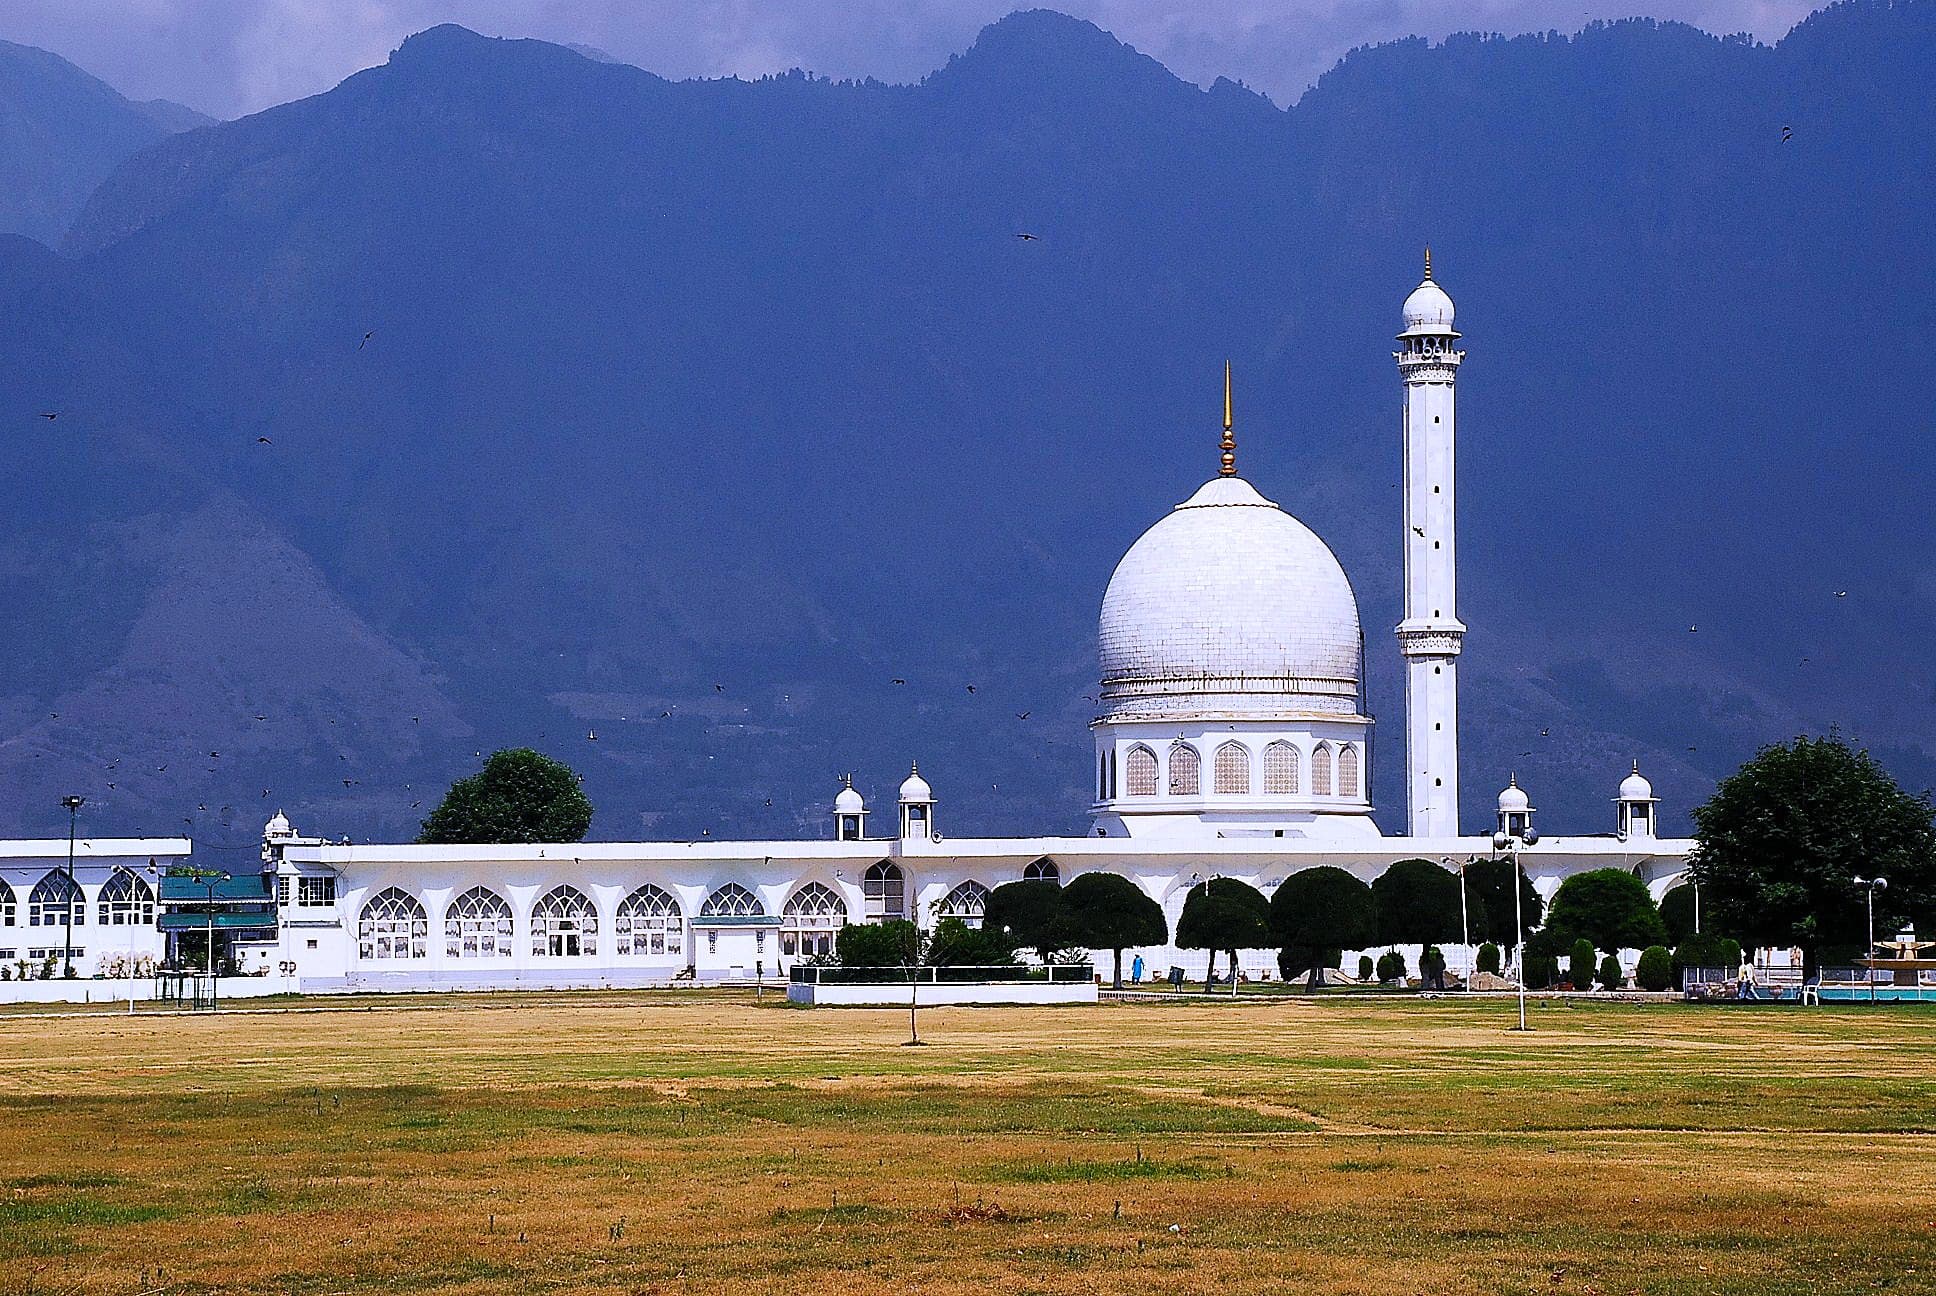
[1136, 969]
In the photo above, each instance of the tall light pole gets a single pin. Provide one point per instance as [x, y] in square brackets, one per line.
[1465, 928]
[1512, 844]
[1871, 886]
[73, 804]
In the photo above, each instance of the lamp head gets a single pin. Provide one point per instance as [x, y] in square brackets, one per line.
[1531, 837]
[1500, 841]
[73, 802]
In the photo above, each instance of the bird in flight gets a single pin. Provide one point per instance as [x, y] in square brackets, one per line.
[1693, 629]
[1787, 133]
[263, 441]
[50, 415]
[971, 688]
[1841, 593]
[719, 688]
[366, 339]
[899, 681]
[1022, 715]
[591, 735]
[1419, 531]
[1546, 733]
[769, 801]
[348, 782]
[1026, 238]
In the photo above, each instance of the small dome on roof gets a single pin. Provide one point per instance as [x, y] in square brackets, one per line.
[849, 801]
[1513, 800]
[1635, 786]
[278, 826]
[1428, 310]
[916, 788]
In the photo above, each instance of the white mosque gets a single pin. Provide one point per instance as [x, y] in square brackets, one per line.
[1231, 743]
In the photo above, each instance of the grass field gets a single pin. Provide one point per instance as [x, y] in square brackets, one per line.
[681, 1143]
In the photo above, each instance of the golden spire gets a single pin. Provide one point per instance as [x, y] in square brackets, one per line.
[1229, 468]
[1428, 263]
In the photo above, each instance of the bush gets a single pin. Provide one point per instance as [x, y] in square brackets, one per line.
[956, 944]
[1579, 964]
[1431, 968]
[1610, 907]
[1677, 913]
[1611, 977]
[1364, 967]
[888, 944]
[1542, 970]
[1415, 901]
[1489, 958]
[1391, 966]
[1655, 970]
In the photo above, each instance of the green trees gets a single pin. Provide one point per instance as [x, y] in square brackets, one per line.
[1223, 914]
[1315, 916]
[1416, 902]
[1611, 977]
[1431, 968]
[1489, 897]
[1655, 970]
[1781, 840]
[1031, 915]
[1610, 908]
[519, 796]
[1489, 958]
[955, 944]
[1391, 967]
[895, 943]
[1108, 911]
[1677, 913]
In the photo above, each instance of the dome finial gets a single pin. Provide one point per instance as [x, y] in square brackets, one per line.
[1428, 263]
[1229, 445]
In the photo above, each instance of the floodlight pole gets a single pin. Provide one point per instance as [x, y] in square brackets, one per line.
[1511, 844]
[1465, 928]
[73, 804]
[1869, 886]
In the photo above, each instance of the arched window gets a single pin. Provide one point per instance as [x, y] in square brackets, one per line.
[1139, 772]
[1232, 772]
[883, 892]
[968, 902]
[7, 902]
[649, 922]
[478, 925]
[53, 898]
[732, 901]
[393, 925]
[1321, 770]
[1102, 778]
[1348, 770]
[809, 920]
[1042, 870]
[1280, 769]
[1186, 771]
[126, 901]
[1112, 774]
[564, 924]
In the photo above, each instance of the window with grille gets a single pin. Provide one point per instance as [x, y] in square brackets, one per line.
[1280, 769]
[1348, 771]
[476, 926]
[649, 922]
[1233, 770]
[1186, 771]
[1321, 770]
[1139, 772]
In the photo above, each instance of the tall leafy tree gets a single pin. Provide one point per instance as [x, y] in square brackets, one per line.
[1609, 908]
[1108, 911]
[1782, 839]
[1489, 893]
[1315, 916]
[519, 796]
[1031, 914]
[1416, 902]
[1224, 914]
[1677, 913]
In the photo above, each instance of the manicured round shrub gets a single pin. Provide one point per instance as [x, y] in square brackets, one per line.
[1542, 970]
[1655, 970]
[1391, 966]
[1364, 967]
[1489, 958]
[1611, 977]
[1579, 964]
[1431, 968]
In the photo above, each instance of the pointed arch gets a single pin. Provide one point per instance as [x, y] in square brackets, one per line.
[1348, 760]
[1042, 870]
[126, 901]
[648, 922]
[1186, 770]
[8, 901]
[1231, 772]
[477, 924]
[1321, 770]
[393, 925]
[564, 924]
[967, 902]
[53, 898]
[1281, 769]
[810, 919]
[1139, 772]
[883, 891]
[732, 901]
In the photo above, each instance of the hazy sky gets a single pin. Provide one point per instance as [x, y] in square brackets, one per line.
[229, 57]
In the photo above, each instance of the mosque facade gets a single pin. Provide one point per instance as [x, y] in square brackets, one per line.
[1231, 742]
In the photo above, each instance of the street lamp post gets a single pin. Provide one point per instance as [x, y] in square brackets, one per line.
[1512, 844]
[73, 804]
[1870, 887]
[1465, 928]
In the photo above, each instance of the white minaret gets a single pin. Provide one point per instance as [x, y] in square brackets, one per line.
[1431, 632]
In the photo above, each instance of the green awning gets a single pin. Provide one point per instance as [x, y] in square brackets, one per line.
[225, 920]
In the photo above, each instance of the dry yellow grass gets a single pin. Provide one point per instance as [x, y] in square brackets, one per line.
[684, 1143]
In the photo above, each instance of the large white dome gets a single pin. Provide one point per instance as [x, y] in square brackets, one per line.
[1229, 606]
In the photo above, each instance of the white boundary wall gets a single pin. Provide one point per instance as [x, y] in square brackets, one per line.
[943, 995]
